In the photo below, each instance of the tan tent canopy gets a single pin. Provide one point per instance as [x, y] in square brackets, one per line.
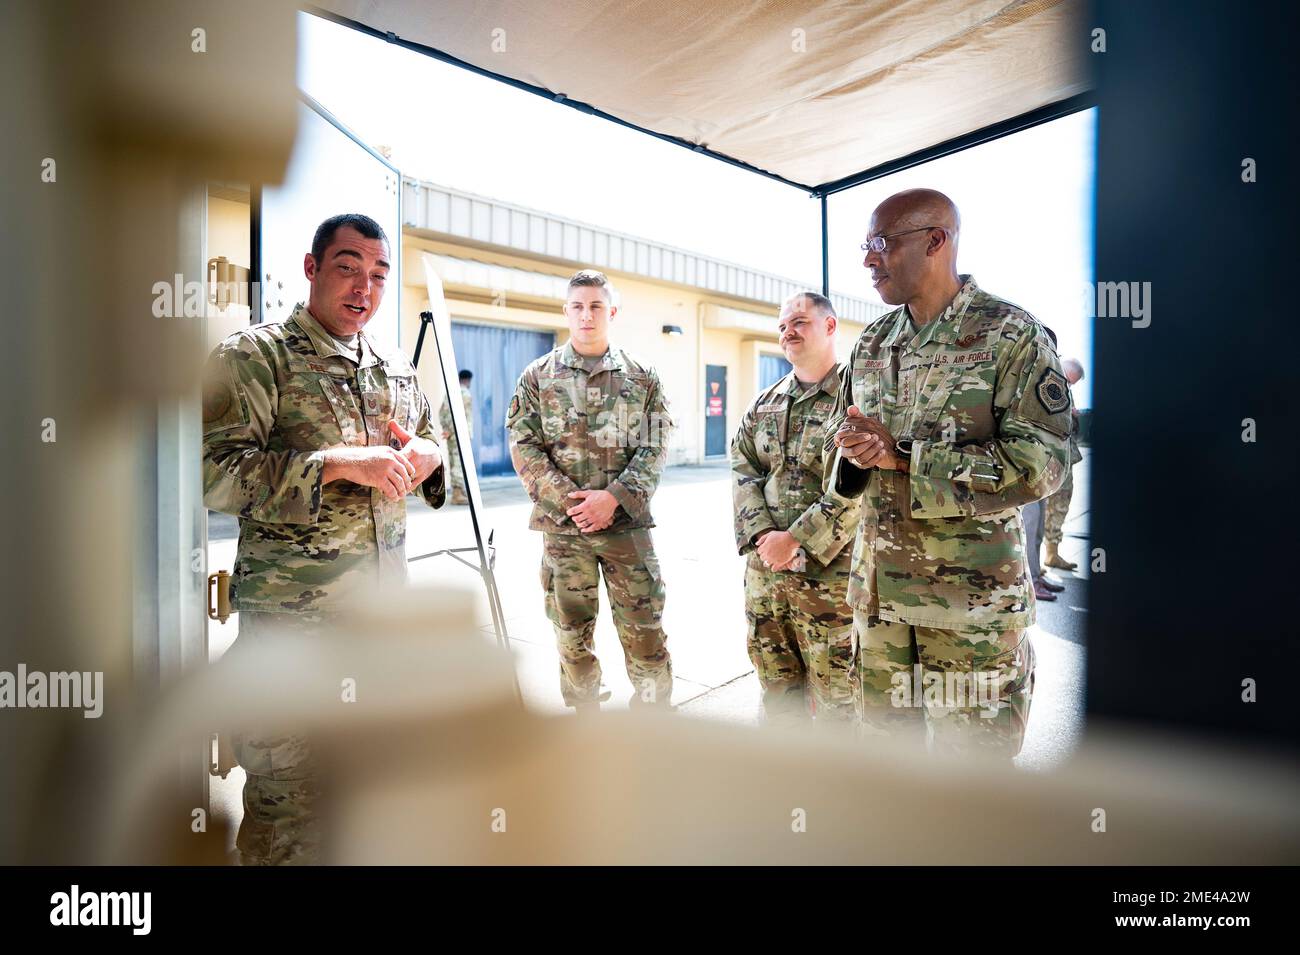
[811, 92]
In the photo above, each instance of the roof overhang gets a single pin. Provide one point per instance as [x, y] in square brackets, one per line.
[816, 93]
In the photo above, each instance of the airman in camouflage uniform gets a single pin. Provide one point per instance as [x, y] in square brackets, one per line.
[800, 637]
[950, 426]
[458, 492]
[309, 439]
[589, 439]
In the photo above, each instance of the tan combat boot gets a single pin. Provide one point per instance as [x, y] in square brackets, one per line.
[1054, 558]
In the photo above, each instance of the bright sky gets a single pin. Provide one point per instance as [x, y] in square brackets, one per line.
[1026, 206]
[1026, 200]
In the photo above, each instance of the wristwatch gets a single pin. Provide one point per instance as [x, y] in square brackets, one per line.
[903, 448]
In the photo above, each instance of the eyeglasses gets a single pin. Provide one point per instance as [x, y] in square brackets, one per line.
[877, 244]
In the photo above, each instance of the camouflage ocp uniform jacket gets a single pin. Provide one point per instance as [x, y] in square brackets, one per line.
[275, 397]
[607, 430]
[979, 395]
[778, 467]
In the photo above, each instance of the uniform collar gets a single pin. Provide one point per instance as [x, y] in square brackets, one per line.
[946, 326]
[612, 360]
[325, 344]
[900, 326]
[830, 384]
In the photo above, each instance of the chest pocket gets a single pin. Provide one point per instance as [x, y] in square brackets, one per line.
[629, 404]
[557, 409]
[769, 433]
[957, 395]
[868, 385]
[633, 391]
[406, 401]
[319, 406]
[813, 439]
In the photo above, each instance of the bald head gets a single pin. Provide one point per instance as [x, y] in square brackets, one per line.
[1073, 369]
[919, 208]
[918, 267]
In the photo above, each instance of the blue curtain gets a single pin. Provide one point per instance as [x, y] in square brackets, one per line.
[497, 356]
[771, 369]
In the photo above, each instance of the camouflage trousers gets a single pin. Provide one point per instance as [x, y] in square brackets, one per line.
[800, 641]
[958, 691]
[456, 491]
[571, 569]
[281, 824]
[1055, 508]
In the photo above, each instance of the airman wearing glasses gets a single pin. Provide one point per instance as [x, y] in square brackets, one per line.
[954, 413]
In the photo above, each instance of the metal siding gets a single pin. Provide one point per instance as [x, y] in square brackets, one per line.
[480, 222]
[537, 235]
[439, 219]
[500, 234]
[460, 216]
[440, 210]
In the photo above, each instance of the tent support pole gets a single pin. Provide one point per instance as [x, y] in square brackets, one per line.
[826, 259]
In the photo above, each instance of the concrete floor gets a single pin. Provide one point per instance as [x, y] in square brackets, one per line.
[704, 615]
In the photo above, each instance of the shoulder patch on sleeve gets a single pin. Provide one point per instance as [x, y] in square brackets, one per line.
[216, 401]
[1053, 391]
[514, 407]
[223, 408]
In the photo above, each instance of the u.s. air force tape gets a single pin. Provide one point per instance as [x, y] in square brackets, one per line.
[1053, 391]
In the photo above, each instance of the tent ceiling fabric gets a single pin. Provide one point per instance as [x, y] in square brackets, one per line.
[812, 91]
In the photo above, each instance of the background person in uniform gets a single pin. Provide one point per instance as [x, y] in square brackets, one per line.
[956, 414]
[1031, 515]
[458, 487]
[1056, 507]
[1045, 587]
[313, 435]
[589, 430]
[800, 636]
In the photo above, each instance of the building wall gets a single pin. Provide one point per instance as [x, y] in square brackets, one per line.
[645, 306]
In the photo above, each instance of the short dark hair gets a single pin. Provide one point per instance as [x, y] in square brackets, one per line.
[590, 278]
[818, 299]
[367, 226]
[465, 374]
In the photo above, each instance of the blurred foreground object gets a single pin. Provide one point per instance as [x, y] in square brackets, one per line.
[125, 113]
[434, 763]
